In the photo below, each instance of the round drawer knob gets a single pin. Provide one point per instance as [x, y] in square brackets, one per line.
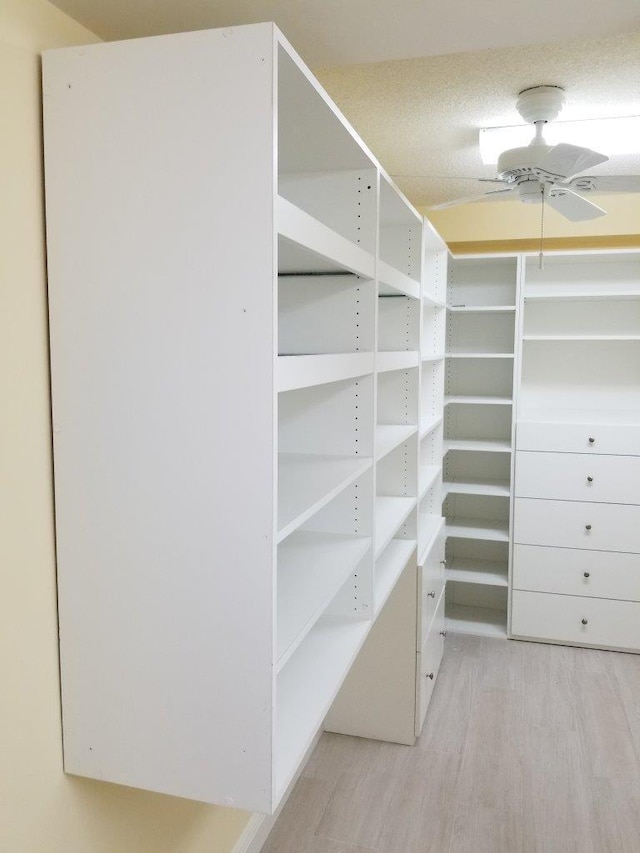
[587, 527]
[429, 675]
[432, 594]
[589, 479]
[443, 563]
[587, 574]
[443, 633]
[592, 441]
[584, 621]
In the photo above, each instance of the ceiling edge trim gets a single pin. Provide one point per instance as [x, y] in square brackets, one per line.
[551, 244]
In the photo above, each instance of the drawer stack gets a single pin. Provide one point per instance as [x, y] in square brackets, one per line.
[576, 558]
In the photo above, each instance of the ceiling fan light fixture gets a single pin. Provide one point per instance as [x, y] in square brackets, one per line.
[612, 136]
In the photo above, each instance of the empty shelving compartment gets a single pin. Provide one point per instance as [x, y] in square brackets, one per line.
[398, 323]
[397, 398]
[482, 283]
[473, 427]
[482, 378]
[400, 243]
[480, 332]
[433, 331]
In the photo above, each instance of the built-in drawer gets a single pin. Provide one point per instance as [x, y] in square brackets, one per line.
[615, 439]
[429, 659]
[575, 620]
[431, 581]
[598, 574]
[578, 477]
[572, 524]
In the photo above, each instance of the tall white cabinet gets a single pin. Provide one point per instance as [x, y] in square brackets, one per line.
[576, 566]
[246, 379]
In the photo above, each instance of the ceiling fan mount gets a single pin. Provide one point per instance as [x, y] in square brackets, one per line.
[541, 172]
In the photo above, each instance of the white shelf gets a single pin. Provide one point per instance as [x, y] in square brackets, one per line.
[479, 355]
[392, 281]
[429, 426]
[479, 621]
[490, 488]
[388, 569]
[477, 445]
[489, 530]
[430, 526]
[312, 568]
[570, 338]
[573, 295]
[481, 309]
[386, 361]
[477, 401]
[483, 572]
[307, 686]
[390, 513]
[427, 476]
[296, 225]
[307, 482]
[389, 436]
[303, 371]
[434, 301]
[432, 358]
[579, 416]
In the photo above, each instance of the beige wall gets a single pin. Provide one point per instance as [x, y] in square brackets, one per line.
[41, 809]
[513, 220]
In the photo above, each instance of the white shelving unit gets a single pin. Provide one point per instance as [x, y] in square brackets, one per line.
[247, 368]
[576, 547]
[482, 333]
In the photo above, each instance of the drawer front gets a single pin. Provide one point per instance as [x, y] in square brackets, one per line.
[569, 524]
[617, 439]
[431, 583]
[570, 619]
[429, 659]
[597, 574]
[578, 477]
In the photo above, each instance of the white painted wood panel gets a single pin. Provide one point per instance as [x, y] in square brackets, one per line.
[576, 620]
[429, 660]
[568, 524]
[578, 477]
[613, 438]
[576, 572]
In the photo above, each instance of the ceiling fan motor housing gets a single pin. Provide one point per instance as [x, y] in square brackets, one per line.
[540, 103]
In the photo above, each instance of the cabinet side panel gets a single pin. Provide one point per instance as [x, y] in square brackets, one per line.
[159, 178]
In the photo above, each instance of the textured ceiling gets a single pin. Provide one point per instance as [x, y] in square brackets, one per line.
[417, 78]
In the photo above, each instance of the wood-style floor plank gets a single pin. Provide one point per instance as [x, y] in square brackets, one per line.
[527, 748]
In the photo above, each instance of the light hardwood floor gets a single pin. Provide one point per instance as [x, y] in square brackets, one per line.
[527, 748]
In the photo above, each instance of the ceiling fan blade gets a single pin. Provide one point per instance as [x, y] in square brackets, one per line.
[606, 183]
[567, 160]
[572, 206]
[492, 195]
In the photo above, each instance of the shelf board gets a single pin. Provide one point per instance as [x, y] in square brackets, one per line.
[386, 361]
[302, 229]
[570, 338]
[481, 309]
[490, 488]
[388, 569]
[390, 436]
[432, 301]
[431, 358]
[427, 476]
[307, 482]
[307, 686]
[392, 281]
[479, 621]
[430, 527]
[483, 572]
[485, 445]
[429, 426]
[489, 530]
[390, 513]
[479, 355]
[462, 400]
[583, 296]
[580, 416]
[312, 568]
[303, 371]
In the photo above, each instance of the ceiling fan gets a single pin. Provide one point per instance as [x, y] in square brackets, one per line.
[543, 173]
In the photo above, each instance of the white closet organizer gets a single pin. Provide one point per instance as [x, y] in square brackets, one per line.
[246, 407]
[576, 572]
[387, 691]
[482, 302]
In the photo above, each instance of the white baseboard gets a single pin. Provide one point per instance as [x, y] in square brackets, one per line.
[259, 826]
